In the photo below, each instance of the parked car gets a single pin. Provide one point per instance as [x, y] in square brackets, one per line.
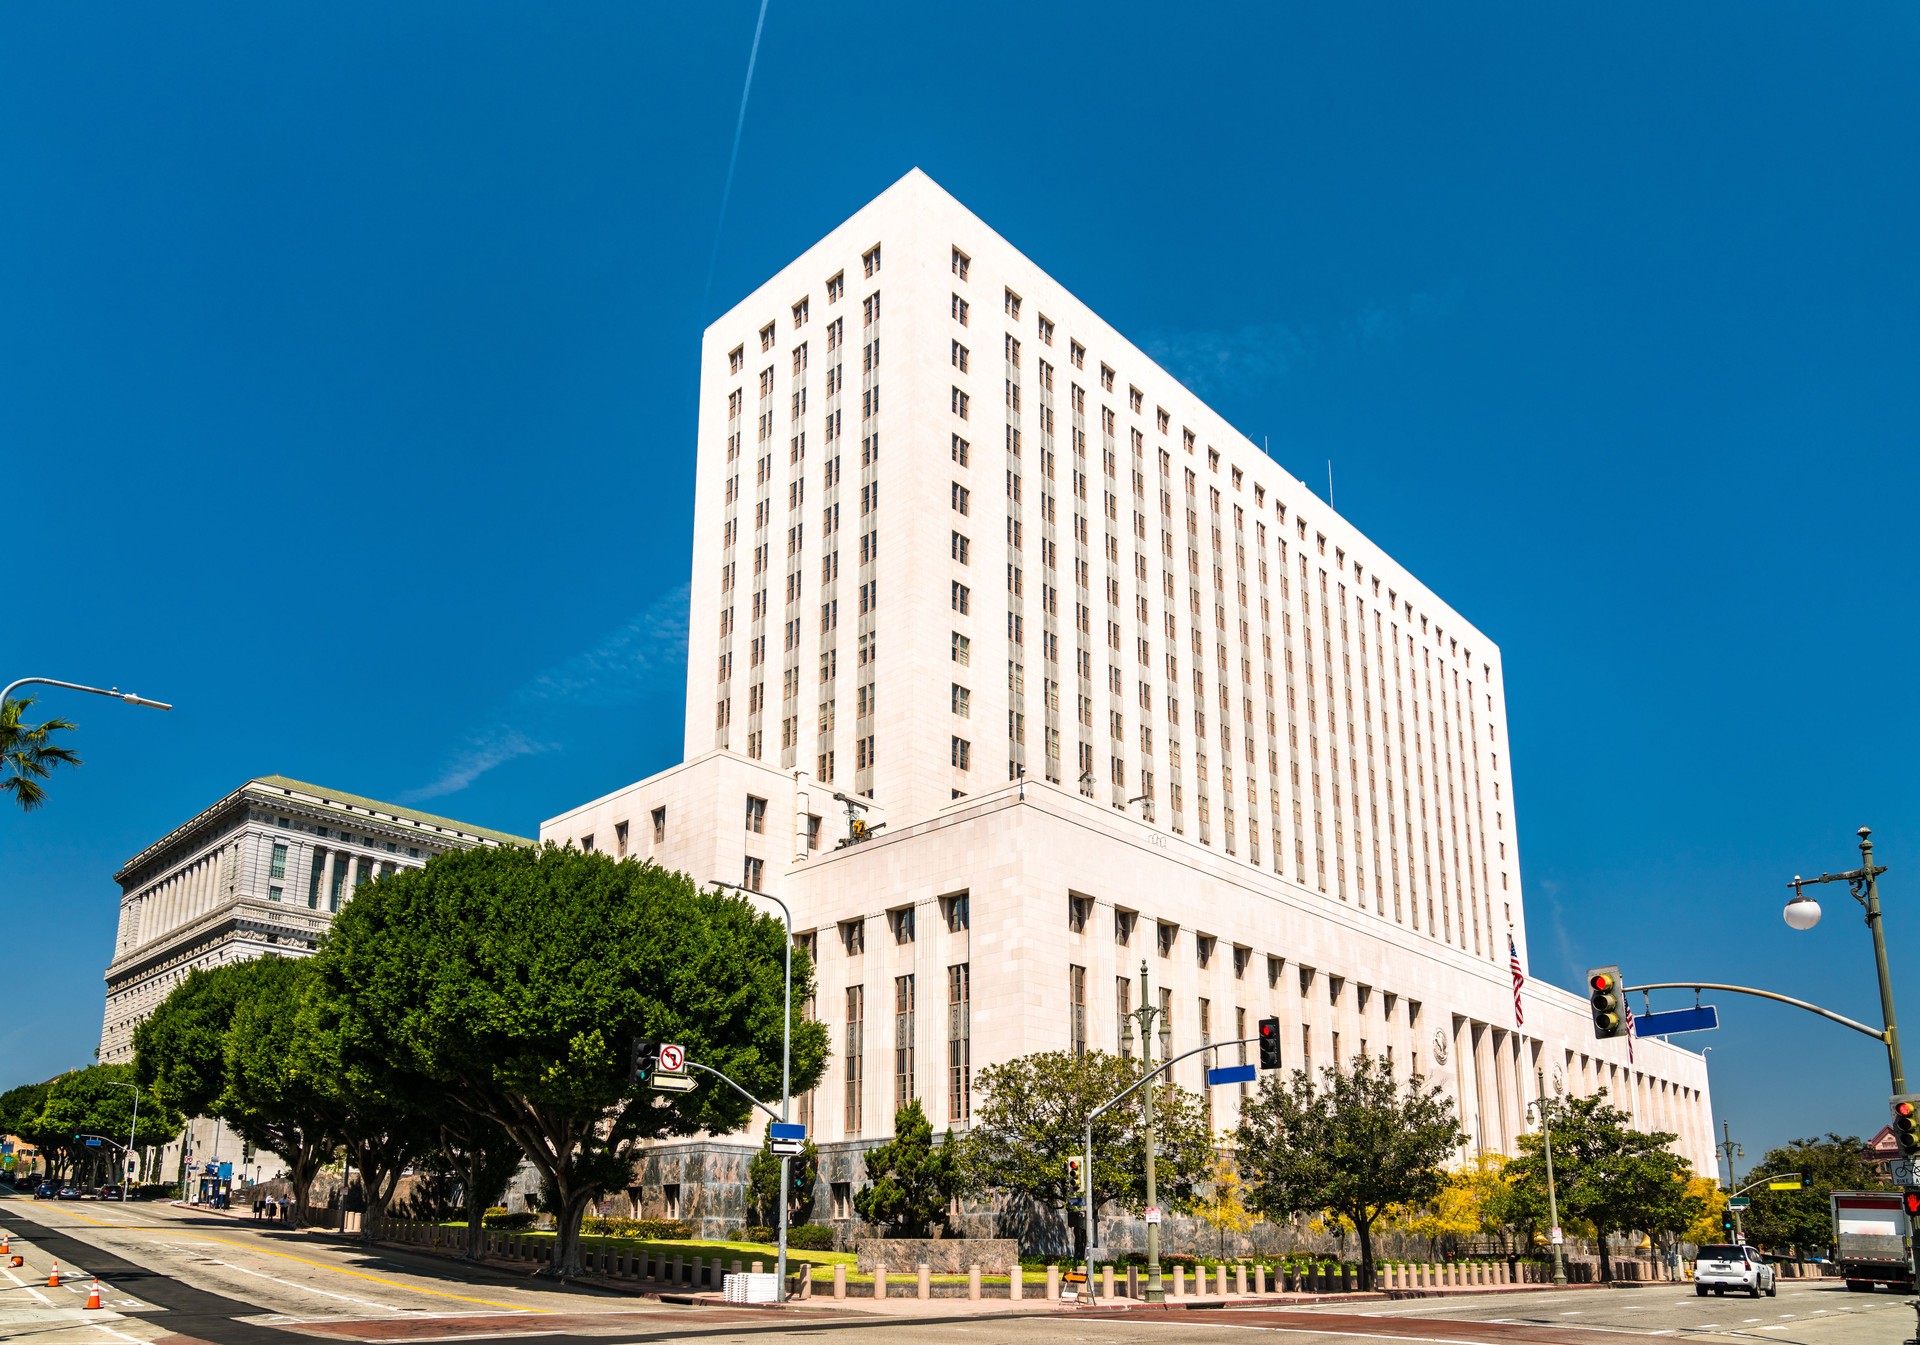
[45, 1191]
[1725, 1265]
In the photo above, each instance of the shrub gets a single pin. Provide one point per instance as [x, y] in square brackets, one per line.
[646, 1230]
[757, 1233]
[498, 1218]
[810, 1238]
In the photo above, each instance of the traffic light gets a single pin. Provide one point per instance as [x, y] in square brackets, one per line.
[1912, 1198]
[646, 1055]
[1073, 1173]
[799, 1180]
[1609, 999]
[1906, 1123]
[1269, 1043]
[1726, 1221]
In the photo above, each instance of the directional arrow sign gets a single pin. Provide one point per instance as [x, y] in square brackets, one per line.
[673, 1083]
[1231, 1074]
[1700, 1018]
[788, 1148]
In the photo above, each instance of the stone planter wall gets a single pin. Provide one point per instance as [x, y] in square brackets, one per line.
[943, 1256]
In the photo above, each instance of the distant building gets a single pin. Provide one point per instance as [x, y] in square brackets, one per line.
[1881, 1151]
[259, 873]
[1120, 688]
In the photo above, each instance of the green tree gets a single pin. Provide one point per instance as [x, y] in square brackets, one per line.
[1030, 1116]
[1469, 1205]
[1802, 1220]
[763, 1181]
[92, 1102]
[274, 1093]
[911, 1181]
[1352, 1147]
[516, 978]
[180, 1049]
[1609, 1176]
[20, 1110]
[28, 753]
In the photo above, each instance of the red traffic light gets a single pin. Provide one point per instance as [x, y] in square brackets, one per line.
[1913, 1203]
[1270, 1028]
[1903, 1109]
[1602, 981]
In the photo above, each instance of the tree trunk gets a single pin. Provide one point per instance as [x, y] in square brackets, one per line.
[1364, 1227]
[476, 1212]
[1606, 1262]
[566, 1232]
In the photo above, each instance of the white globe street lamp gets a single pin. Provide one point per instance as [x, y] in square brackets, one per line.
[1803, 912]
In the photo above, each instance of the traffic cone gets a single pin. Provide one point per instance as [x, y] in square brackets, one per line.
[53, 1280]
[93, 1295]
[6, 1244]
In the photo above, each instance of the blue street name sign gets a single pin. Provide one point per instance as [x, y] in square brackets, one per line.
[1700, 1018]
[226, 1171]
[93, 1144]
[788, 1130]
[1231, 1074]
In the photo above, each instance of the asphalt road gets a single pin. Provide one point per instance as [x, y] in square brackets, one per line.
[175, 1276]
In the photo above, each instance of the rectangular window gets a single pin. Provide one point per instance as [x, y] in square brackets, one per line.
[1077, 1010]
[962, 649]
[961, 262]
[586, 845]
[279, 869]
[959, 1045]
[959, 357]
[900, 922]
[962, 754]
[962, 701]
[1122, 1014]
[961, 547]
[851, 1047]
[962, 498]
[960, 310]
[1013, 305]
[962, 597]
[756, 815]
[960, 447]
[957, 911]
[903, 1091]
[870, 259]
[750, 876]
[960, 401]
[659, 825]
[837, 287]
[620, 839]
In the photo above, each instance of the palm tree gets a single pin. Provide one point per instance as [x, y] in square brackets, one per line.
[28, 753]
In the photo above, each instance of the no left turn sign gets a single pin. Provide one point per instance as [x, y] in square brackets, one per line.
[673, 1059]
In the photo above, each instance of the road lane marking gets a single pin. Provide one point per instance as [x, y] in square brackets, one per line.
[306, 1288]
[357, 1274]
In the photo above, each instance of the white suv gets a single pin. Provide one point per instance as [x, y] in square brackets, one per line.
[1723, 1266]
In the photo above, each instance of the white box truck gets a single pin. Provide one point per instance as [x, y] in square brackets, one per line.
[1871, 1239]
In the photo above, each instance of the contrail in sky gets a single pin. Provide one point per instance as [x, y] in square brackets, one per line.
[739, 124]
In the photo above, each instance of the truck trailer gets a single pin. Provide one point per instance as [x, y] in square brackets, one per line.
[1872, 1240]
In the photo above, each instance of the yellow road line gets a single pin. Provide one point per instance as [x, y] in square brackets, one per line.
[338, 1270]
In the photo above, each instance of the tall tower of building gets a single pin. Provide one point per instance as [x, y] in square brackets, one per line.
[1105, 686]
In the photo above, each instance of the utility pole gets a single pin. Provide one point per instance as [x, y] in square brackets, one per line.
[1732, 1151]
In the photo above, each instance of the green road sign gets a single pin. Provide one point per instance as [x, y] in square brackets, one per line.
[1739, 1202]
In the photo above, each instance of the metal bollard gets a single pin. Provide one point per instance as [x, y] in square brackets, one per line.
[879, 1281]
[1053, 1284]
[840, 1282]
[925, 1287]
[973, 1282]
[1106, 1282]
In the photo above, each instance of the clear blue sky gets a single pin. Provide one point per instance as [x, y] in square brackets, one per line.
[347, 382]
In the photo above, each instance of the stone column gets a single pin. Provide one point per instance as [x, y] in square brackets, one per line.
[328, 859]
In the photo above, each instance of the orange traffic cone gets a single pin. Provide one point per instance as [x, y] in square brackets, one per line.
[53, 1280]
[6, 1244]
[93, 1295]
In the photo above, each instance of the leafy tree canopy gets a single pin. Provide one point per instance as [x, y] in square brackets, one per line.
[1030, 1117]
[90, 1102]
[1353, 1146]
[912, 1182]
[275, 1092]
[517, 978]
[1803, 1219]
[180, 1049]
[1608, 1175]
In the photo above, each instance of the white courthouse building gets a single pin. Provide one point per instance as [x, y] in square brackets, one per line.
[1119, 687]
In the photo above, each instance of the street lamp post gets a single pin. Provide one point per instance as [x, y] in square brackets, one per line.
[114, 692]
[131, 1129]
[1803, 913]
[1146, 1013]
[1553, 1195]
[786, 1066]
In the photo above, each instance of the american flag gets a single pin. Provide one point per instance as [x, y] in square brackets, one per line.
[1629, 1007]
[1519, 980]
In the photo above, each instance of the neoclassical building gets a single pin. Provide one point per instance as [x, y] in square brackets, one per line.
[259, 873]
[968, 563]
